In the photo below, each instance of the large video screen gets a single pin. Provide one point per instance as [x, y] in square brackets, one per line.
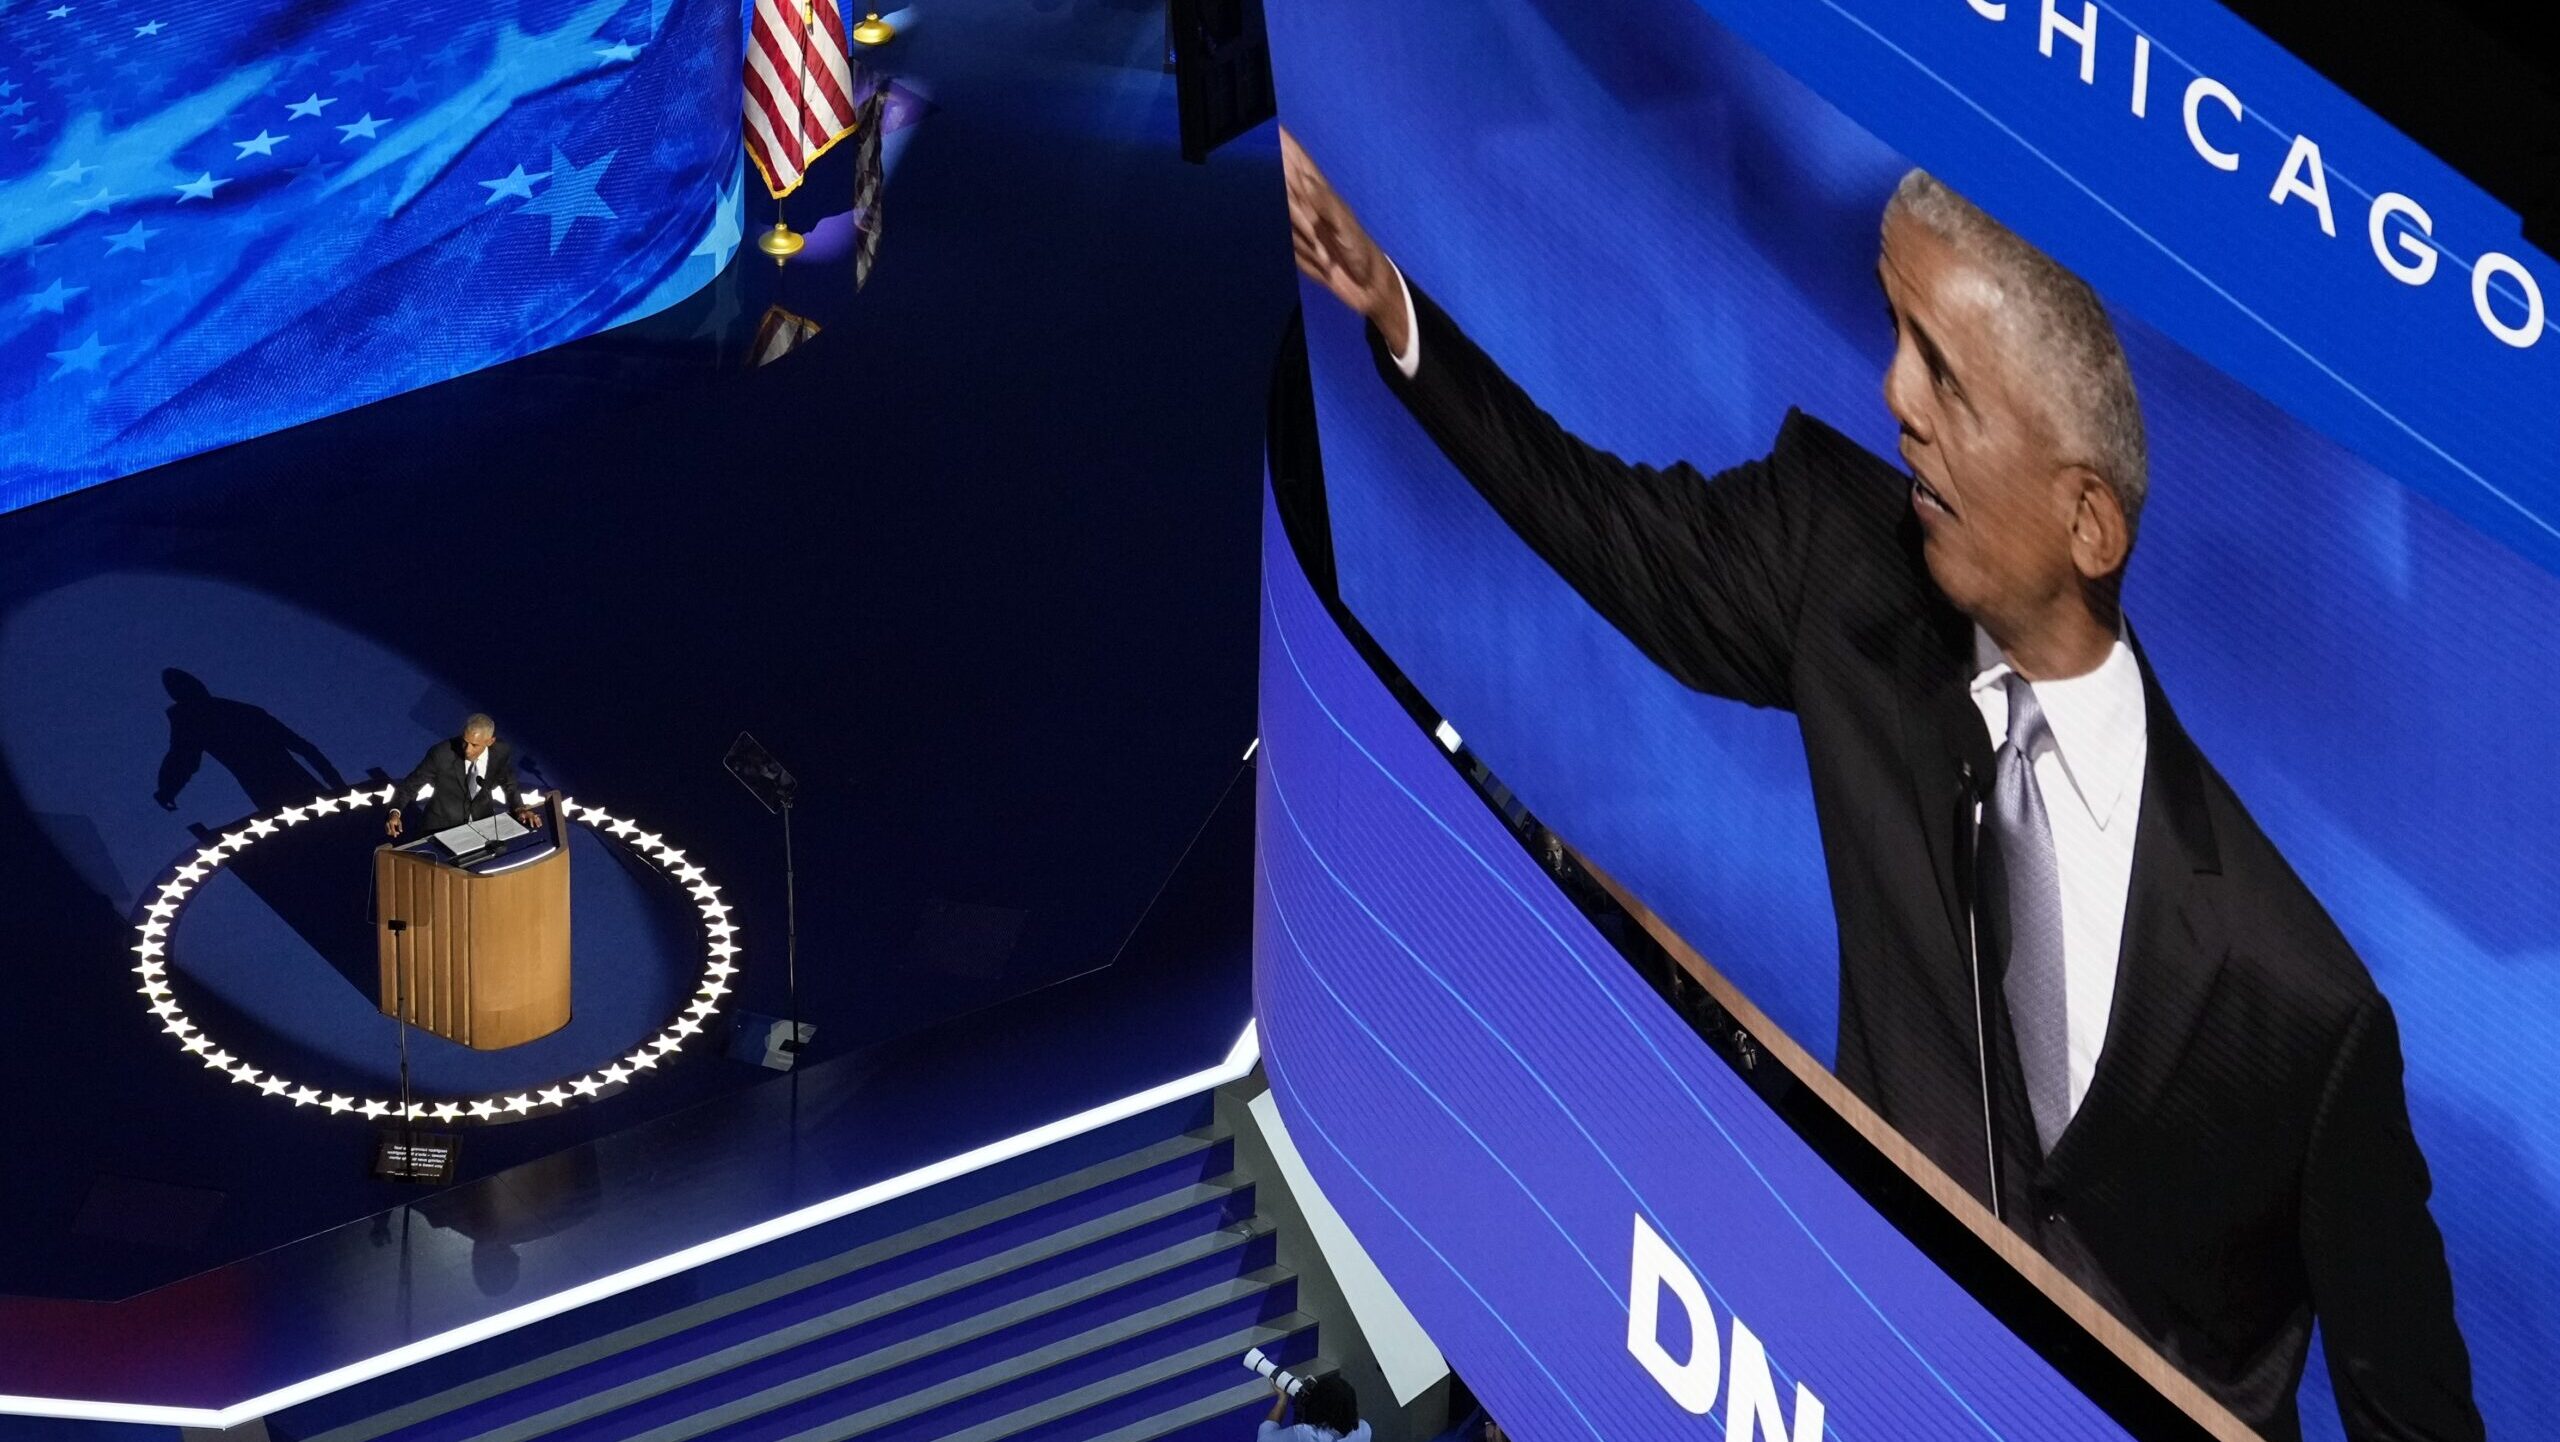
[2024, 531]
[235, 217]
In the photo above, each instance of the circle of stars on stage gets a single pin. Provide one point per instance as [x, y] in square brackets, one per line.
[158, 920]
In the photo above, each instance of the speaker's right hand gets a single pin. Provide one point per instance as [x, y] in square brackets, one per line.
[1334, 251]
[391, 827]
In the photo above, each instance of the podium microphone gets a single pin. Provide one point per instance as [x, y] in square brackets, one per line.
[1973, 795]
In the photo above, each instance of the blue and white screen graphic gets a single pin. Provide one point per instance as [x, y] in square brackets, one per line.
[218, 220]
[1602, 1227]
[1661, 223]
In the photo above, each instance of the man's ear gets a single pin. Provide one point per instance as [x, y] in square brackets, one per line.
[2101, 537]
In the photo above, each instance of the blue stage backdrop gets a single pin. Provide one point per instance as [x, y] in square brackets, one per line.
[1660, 216]
[236, 216]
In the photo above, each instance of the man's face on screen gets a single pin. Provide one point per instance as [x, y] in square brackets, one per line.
[1991, 489]
[475, 742]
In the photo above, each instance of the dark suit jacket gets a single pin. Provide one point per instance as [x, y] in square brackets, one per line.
[442, 767]
[2243, 1161]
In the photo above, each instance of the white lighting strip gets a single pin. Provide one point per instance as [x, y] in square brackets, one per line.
[1241, 1059]
[158, 921]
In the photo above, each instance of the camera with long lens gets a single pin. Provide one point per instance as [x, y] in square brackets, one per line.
[1288, 1382]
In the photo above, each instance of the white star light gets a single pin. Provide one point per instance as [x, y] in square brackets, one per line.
[100, 201]
[365, 129]
[309, 105]
[157, 920]
[201, 188]
[151, 29]
[262, 143]
[621, 51]
[71, 174]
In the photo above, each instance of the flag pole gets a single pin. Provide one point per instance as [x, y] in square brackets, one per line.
[782, 242]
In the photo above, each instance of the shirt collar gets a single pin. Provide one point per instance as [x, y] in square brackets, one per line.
[2097, 720]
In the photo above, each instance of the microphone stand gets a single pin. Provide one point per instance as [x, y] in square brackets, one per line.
[1970, 800]
[400, 1001]
[398, 1160]
[790, 941]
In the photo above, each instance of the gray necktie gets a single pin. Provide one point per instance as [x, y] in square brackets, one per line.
[2033, 981]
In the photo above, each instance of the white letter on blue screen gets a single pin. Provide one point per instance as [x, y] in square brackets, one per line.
[2141, 75]
[2198, 90]
[1692, 1383]
[2518, 336]
[1990, 9]
[2086, 32]
[1751, 1402]
[2419, 267]
[2304, 159]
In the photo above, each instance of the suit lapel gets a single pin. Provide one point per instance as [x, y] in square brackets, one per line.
[2173, 946]
[1942, 737]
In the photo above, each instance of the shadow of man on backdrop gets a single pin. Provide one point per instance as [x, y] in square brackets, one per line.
[257, 749]
[313, 879]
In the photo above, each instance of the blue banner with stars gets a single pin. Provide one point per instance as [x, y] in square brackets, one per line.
[218, 220]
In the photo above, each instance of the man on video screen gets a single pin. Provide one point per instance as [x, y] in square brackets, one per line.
[2073, 971]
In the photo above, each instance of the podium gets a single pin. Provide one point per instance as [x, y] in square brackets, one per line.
[484, 956]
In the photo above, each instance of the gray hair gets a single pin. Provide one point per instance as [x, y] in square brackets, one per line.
[2063, 325]
[478, 722]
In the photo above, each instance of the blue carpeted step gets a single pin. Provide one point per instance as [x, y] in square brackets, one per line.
[853, 1314]
[979, 1212]
[1226, 1415]
[1164, 1186]
[859, 1370]
[1202, 1324]
[1166, 1397]
[1229, 1416]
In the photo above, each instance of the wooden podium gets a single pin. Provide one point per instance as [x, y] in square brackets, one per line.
[486, 948]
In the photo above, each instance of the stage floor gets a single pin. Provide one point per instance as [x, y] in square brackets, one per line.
[977, 561]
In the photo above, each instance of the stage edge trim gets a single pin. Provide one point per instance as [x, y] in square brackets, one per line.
[1240, 1061]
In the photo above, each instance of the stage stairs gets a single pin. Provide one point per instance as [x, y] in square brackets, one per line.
[1110, 1303]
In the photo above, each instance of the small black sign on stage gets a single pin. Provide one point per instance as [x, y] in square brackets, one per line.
[765, 778]
[407, 1156]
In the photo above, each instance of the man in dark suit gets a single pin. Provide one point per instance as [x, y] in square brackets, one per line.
[2158, 1060]
[463, 778]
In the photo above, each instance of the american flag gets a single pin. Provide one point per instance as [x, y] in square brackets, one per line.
[799, 88]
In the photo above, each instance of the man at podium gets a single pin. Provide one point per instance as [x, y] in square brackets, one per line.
[463, 778]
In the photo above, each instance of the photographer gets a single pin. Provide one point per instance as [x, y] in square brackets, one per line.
[1328, 1411]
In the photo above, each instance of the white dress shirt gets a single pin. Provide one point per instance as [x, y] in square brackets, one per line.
[2091, 775]
[477, 769]
[1408, 360]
